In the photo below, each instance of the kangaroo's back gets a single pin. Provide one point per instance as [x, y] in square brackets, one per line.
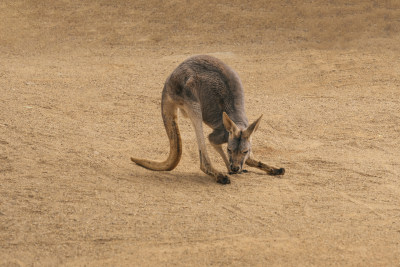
[214, 85]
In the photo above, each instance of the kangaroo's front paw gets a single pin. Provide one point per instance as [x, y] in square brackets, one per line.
[280, 171]
[223, 179]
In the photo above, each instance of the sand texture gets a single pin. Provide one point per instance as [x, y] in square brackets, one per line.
[80, 91]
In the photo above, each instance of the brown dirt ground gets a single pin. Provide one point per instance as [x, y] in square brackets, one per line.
[80, 86]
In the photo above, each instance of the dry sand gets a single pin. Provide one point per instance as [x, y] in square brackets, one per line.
[80, 88]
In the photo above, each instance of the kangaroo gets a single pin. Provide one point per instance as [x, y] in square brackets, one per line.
[207, 90]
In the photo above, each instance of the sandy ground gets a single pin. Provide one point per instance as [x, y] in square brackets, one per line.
[80, 87]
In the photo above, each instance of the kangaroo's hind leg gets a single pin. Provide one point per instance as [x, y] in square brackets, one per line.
[194, 113]
[262, 166]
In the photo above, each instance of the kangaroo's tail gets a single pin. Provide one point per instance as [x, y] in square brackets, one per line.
[169, 114]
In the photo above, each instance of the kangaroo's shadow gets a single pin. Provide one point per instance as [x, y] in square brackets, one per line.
[176, 177]
[249, 173]
[192, 177]
[197, 178]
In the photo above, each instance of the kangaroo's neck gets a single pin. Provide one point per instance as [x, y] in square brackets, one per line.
[235, 106]
[239, 118]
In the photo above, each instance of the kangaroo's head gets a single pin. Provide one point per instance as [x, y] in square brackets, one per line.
[239, 142]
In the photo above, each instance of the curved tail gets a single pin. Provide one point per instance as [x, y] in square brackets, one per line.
[169, 114]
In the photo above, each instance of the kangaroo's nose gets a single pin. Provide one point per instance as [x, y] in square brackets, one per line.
[235, 169]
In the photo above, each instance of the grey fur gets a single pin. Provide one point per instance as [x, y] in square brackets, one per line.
[205, 88]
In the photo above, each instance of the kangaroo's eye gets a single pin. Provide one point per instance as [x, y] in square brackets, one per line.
[229, 151]
[245, 152]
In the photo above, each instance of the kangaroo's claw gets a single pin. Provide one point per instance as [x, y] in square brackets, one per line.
[223, 179]
[280, 171]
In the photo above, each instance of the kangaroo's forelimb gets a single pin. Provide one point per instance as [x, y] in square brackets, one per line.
[262, 166]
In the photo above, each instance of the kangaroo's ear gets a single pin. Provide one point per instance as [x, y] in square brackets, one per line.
[252, 128]
[230, 126]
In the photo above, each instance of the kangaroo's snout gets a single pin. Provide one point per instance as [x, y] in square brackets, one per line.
[235, 169]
